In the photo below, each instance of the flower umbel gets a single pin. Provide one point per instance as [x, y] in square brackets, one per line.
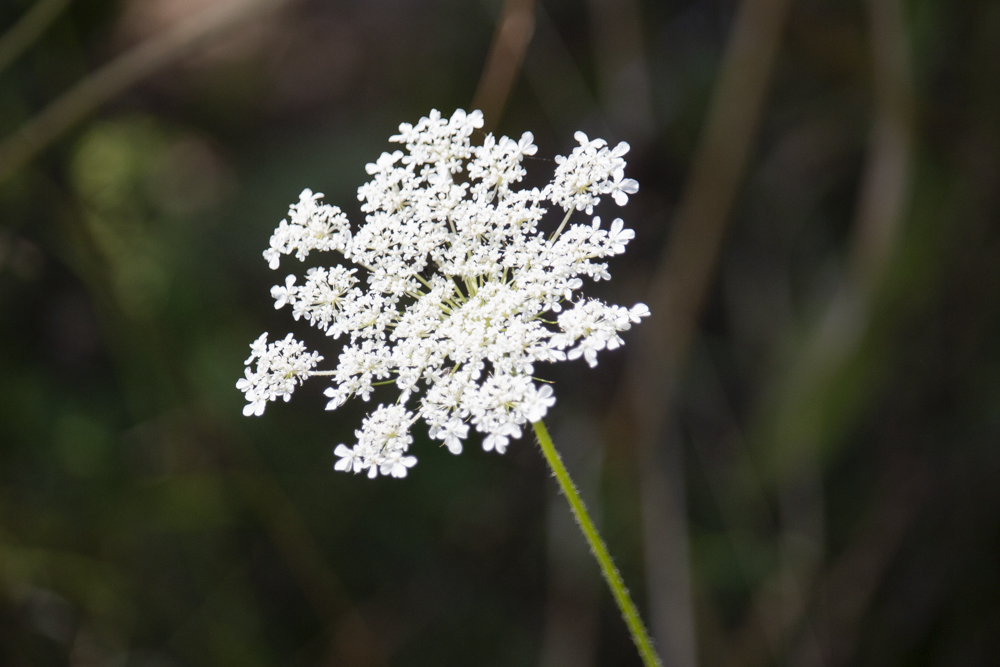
[280, 366]
[453, 294]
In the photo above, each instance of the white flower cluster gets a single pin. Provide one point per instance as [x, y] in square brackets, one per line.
[280, 366]
[460, 292]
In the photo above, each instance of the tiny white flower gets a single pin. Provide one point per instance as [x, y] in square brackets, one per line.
[638, 311]
[450, 290]
[618, 237]
[539, 403]
[452, 433]
[622, 188]
[499, 439]
[347, 458]
[283, 295]
[397, 465]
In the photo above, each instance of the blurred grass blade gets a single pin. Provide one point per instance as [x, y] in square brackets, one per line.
[622, 68]
[676, 297]
[31, 26]
[510, 42]
[122, 72]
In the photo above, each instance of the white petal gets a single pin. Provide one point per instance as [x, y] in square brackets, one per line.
[638, 311]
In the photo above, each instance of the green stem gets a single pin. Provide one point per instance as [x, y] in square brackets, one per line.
[629, 612]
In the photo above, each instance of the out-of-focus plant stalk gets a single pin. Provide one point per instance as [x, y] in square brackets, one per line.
[503, 63]
[827, 627]
[622, 70]
[317, 580]
[31, 26]
[885, 190]
[676, 296]
[122, 72]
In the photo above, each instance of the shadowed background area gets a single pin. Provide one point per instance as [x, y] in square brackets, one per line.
[795, 460]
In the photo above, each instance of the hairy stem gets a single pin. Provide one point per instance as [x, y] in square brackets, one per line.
[611, 575]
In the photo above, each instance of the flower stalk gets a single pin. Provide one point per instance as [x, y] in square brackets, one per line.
[626, 606]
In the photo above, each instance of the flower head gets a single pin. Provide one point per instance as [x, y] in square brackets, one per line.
[453, 293]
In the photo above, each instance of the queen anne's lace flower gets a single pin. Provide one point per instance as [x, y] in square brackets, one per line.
[460, 293]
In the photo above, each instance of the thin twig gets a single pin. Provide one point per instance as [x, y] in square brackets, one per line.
[122, 72]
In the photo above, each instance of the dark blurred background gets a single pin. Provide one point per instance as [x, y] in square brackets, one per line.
[795, 461]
